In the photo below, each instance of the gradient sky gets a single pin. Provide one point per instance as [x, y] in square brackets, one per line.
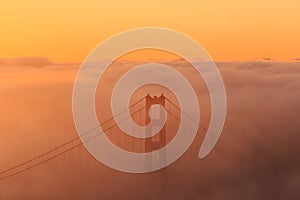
[68, 30]
[257, 156]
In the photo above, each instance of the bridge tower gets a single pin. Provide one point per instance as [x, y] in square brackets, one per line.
[160, 140]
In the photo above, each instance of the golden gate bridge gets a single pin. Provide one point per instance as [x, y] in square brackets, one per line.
[150, 145]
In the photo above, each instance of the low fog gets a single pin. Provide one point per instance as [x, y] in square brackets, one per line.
[257, 156]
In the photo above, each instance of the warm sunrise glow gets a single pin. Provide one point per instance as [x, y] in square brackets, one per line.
[229, 30]
[90, 110]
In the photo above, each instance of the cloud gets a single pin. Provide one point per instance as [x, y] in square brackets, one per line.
[268, 59]
[32, 61]
[18, 64]
[255, 158]
[296, 59]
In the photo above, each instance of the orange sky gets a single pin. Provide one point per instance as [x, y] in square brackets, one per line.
[66, 30]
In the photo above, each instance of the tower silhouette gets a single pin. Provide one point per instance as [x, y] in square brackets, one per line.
[160, 140]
